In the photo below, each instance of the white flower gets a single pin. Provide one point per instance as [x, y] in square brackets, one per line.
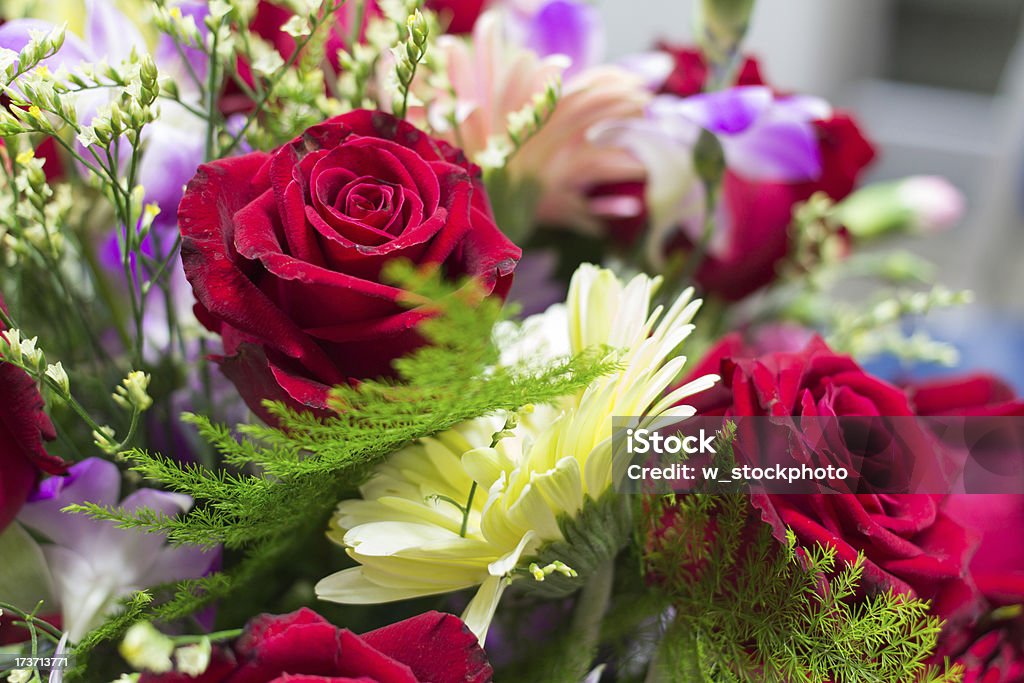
[146, 648]
[58, 374]
[464, 508]
[194, 659]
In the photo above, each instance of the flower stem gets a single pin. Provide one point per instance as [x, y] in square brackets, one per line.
[591, 606]
[465, 511]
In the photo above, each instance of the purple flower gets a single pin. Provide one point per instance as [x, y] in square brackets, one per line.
[93, 563]
[764, 137]
[563, 27]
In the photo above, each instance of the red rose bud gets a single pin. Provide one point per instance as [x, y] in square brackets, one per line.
[284, 251]
[303, 646]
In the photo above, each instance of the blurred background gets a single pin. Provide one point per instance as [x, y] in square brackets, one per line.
[939, 86]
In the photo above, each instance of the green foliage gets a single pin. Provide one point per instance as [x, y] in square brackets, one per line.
[44, 638]
[135, 609]
[748, 608]
[592, 539]
[289, 477]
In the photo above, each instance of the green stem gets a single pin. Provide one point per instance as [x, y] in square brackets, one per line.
[677, 657]
[272, 84]
[466, 510]
[591, 606]
[132, 428]
[357, 24]
[229, 634]
[211, 98]
[102, 287]
[696, 257]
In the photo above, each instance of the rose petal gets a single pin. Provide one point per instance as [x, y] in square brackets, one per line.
[437, 647]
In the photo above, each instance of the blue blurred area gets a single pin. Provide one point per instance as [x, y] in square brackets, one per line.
[987, 342]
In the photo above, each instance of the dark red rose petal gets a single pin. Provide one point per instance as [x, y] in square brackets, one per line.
[437, 647]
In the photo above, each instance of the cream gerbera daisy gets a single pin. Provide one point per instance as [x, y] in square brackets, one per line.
[469, 506]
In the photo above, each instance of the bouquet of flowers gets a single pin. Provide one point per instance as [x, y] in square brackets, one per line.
[323, 325]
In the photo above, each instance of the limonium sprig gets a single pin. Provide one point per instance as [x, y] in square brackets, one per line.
[470, 506]
[45, 103]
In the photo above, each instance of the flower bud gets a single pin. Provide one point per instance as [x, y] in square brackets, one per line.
[149, 75]
[193, 660]
[723, 23]
[916, 204]
[104, 439]
[57, 373]
[131, 394]
[145, 648]
[709, 158]
[20, 676]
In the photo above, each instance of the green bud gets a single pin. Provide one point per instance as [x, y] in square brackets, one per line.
[709, 158]
[131, 394]
[104, 439]
[723, 23]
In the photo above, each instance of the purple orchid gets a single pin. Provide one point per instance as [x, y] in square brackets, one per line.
[94, 563]
[571, 28]
[764, 138]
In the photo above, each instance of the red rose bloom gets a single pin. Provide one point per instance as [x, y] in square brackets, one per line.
[284, 251]
[972, 395]
[998, 565]
[911, 545]
[759, 213]
[995, 444]
[23, 428]
[303, 646]
[992, 649]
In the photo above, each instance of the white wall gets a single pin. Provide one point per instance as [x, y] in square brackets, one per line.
[808, 45]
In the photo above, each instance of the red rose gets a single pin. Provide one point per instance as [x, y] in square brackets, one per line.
[911, 545]
[974, 395]
[978, 407]
[759, 213]
[23, 428]
[284, 251]
[457, 16]
[991, 652]
[998, 565]
[992, 649]
[303, 646]
[690, 71]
